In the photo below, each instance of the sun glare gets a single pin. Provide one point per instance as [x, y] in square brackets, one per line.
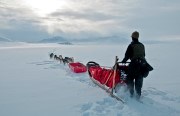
[44, 7]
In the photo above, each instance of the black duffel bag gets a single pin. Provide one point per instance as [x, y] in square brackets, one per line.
[145, 68]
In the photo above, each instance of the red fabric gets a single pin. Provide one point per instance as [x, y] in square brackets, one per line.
[77, 67]
[105, 76]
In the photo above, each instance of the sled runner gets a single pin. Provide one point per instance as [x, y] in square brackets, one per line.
[108, 78]
[77, 67]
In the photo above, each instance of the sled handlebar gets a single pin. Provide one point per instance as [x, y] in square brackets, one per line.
[123, 62]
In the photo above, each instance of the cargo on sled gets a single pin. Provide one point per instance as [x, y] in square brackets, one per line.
[77, 67]
[107, 78]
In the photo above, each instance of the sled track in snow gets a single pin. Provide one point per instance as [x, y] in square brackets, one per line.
[155, 102]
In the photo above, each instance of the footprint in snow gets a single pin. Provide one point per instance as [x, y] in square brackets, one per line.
[101, 108]
[162, 95]
[50, 65]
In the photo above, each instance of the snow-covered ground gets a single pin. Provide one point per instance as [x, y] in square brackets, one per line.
[32, 84]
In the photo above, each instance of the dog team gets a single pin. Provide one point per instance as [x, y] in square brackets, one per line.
[59, 58]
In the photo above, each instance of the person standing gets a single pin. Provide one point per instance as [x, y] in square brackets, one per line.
[136, 53]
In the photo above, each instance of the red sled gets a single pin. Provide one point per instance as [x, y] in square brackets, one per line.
[77, 67]
[107, 76]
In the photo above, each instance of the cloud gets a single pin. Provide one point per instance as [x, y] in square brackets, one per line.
[97, 10]
[101, 17]
[156, 19]
[19, 22]
[10, 13]
[86, 14]
[86, 18]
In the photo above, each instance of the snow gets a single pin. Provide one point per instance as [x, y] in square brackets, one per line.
[32, 84]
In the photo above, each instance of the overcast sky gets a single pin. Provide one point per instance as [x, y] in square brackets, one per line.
[33, 20]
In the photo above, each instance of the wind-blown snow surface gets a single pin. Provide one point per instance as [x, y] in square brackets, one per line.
[32, 84]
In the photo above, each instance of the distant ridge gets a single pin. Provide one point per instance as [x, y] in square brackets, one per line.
[3, 39]
[63, 40]
[55, 39]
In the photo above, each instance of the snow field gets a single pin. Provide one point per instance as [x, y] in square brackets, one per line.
[33, 84]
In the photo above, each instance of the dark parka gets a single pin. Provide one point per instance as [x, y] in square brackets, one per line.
[135, 50]
[136, 53]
